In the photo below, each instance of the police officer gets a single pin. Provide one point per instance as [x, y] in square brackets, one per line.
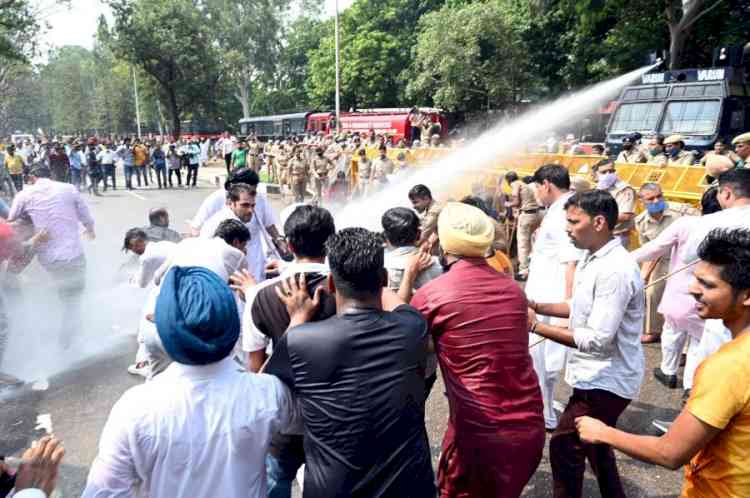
[528, 213]
[742, 149]
[649, 224]
[382, 166]
[321, 167]
[624, 194]
[630, 152]
[676, 153]
[364, 173]
[298, 174]
[655, 151]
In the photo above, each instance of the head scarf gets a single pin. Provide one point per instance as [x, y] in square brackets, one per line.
[465, 230]
[196, 316]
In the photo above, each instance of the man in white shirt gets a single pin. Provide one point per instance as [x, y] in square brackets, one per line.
[226, 146]
[606, 318]
[265, 235]
[551, 272]
[202, 428]
[241, 205]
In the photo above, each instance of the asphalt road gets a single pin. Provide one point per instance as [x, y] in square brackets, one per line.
[86, 380]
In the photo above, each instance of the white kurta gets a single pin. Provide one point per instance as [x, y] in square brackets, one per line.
[552, 251]
[214, 210]
[193, 431]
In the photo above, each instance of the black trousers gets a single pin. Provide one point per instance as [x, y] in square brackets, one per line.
[568, 454]
[161, 176]
[192, 169]
[179, 177]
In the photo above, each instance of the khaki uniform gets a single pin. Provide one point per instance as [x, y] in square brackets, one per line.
[298, 176]
[683, 158]
[648, 229]
[364, 172]
[428, 221]
[529, 218]
[321, 166]
[381, 168]
[282, 165]
[658, 160]
[632, 156]
[625, 197]
[253, 156]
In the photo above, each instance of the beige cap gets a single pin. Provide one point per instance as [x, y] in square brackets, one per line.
[580, 184]
[745, 137]
[673, 139]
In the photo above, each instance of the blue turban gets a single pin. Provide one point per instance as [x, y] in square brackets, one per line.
[196, 316]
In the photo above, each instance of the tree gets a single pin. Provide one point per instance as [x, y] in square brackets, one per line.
[469, 58]
[171, 42]
[248, 33]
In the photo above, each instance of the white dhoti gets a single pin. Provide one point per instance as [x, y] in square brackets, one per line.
[548, 358]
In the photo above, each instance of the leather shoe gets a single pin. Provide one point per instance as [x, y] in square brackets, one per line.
[668, 380]
[650, 338]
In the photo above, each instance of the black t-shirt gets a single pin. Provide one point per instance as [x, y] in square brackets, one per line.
[359, 380]
[271, 318]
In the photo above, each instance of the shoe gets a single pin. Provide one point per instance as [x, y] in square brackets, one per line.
[650, 338]
[685, 396]
[662, 425]
[683, 359]
[668, 380]
[134, 369]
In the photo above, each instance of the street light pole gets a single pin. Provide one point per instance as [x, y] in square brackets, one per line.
[338, 71]
[137, 106]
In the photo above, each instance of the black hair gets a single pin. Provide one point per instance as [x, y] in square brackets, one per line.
[40, 171]
[232, 230]
[242, 175]
[155, 215]
[355, 256]
[595, 203]
[528, 179]
[420, 192]
[477, 202]
[400, 226]
[729, 249]
[131, 236]
[738, 180]
[597, 147]
[511, 176]
[555, 174]
[307, 229]
[710, 201]
[599, 164]
[234, 192]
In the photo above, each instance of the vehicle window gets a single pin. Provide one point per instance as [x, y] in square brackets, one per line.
[641, 116]
[699, 117]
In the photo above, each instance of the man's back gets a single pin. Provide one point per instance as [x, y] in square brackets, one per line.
[194, 431]
[58, 208]
[359, 380]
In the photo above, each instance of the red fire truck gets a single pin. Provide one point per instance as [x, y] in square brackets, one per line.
[396, 123]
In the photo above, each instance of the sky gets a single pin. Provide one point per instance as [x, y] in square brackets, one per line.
[77, 25]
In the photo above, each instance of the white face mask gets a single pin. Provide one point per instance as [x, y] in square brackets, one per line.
[606, 180]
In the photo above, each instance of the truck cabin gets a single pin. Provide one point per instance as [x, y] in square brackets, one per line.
[700, 104]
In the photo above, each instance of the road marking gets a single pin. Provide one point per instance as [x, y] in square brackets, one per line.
[137, 196]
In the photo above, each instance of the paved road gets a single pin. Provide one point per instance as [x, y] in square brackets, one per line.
[85, 382]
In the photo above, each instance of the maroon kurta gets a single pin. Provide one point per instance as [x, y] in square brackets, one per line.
[495, 434]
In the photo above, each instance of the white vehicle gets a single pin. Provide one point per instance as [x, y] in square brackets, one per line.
[20, 137]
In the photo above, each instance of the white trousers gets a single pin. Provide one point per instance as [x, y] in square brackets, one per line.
[548, 358]
[673, 342]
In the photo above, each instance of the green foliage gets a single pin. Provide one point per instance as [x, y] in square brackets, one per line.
[171, 42]
[470, 57]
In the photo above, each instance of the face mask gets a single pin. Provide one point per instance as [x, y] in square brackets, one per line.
[654, 152]
[656, 207]
[627, 146]
[674, 151]
[606, 180]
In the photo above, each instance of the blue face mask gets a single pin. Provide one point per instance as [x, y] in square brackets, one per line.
[674, 151]
[656, 207]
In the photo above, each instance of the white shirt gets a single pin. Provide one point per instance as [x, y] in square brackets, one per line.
[150, 261]
[737, 217]
[252, 338]
[553, 250]
[194, 431]
[210, 253]
[218, 200]
[106, 156]
[256, 255]
[606, 316]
